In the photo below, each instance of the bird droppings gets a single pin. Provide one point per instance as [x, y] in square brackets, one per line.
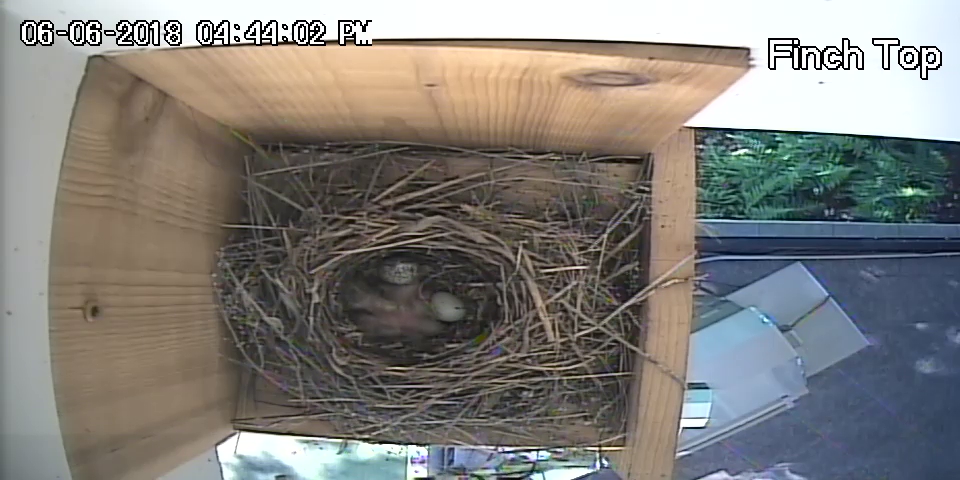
[873, 341]
[869, 276]
[777, 472]
[953, 336]
[922, 326]
[929, 366]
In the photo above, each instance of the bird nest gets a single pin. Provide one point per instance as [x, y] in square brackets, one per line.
[543, 250]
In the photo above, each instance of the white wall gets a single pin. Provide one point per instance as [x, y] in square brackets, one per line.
[39, 85]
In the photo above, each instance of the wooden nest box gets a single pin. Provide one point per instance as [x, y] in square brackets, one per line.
[151, 173]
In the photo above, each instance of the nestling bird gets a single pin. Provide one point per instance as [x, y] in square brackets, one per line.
[389, 311]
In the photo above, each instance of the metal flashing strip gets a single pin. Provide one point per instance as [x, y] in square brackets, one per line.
[817, 326]
[818, 229]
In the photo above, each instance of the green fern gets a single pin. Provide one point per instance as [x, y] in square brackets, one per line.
[777, 176]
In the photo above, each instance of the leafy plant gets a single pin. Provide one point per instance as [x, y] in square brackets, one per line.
[786, 176]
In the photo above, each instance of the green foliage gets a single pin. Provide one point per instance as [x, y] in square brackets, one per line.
[787, 176]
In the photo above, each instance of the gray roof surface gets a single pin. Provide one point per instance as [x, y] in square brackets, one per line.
[889, 412]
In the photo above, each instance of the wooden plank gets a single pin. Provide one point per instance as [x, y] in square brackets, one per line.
[656, 401]
[136, 340]
[535, 95]
[711, 54]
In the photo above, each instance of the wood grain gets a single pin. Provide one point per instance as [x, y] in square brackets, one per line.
[710, 54]
[146, 181]
[656, 398]
[464, 93]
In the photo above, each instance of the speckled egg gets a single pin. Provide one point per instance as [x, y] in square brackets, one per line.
[448, 307]
[399, 271]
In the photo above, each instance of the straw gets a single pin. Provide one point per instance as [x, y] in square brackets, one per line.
[555, 286]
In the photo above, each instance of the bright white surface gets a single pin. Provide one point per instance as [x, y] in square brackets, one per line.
[697, 404]
[564, 474]
[39, 85]
[257, 456]
[751, 369]
[39, 88]
[870, 102]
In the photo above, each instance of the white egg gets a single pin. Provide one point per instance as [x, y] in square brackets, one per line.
[448, 307]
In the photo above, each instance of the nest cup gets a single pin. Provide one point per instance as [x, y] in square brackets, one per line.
[553, 290]
[469, 276]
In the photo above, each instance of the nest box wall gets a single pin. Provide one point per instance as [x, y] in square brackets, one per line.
[557, 96]
[139, 379]
[151, 169]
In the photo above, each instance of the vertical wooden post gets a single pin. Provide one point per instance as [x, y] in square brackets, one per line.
[657, 398]
[135, 336]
